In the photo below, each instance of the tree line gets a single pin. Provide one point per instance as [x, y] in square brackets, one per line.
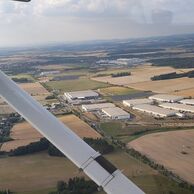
[35, 147]
[187, 62]
[100, 145]
[76, 186]
[173, 75]
[22, 80]
[121, 74]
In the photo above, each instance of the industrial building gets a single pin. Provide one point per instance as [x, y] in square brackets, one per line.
[187, 101]
[155, 110]
[178, 107]
[81, 95]
[96, 107]
[166, 98]
[116, 113]
[134, 102]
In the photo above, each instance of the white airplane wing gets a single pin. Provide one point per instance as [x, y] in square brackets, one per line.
[102, 172]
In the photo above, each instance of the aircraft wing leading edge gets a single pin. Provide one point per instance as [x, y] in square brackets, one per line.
[103, 173]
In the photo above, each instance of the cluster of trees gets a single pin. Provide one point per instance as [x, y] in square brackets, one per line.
[187, 62]
[76, 186]
[31, 148]
[4, 139]
[21, 80]
[51, 97]
[121, 74]
[173, 75]
[39, 146]
[100, 145]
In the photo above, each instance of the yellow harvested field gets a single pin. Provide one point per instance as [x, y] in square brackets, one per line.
[6, 109]
[138, 74]
[35, 172]
[185, 93]
[165, 86]
[140, 79]
[24, 134]
[34, 89]
[174, 150]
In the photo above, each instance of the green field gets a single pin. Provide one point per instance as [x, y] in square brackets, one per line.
[39, 173]
[76, 85]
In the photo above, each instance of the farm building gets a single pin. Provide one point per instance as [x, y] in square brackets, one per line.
[155, 110]
[187, 101]
[81, 95]
[116, 113]
[96, 107]
[134, 102]
[166, 98]
[178, 107]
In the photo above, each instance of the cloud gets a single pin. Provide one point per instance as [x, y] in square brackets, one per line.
[137, 10]
[64, 20]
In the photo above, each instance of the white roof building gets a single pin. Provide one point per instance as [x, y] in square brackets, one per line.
[155, 110]
[187, 101]
[96, 107]
[166, 98]
[178, 107]
[81, 95]
[134, 102]
[116, 113]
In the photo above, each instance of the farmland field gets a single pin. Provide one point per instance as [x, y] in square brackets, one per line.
[185, 93]
[2, 101]
[140, 73]
[27, 76]
[24, 133]
[75, 85]
[22, 174]
[165, 86]
[6, 109]
[174, 150]
[35, 89]
[140, 79]
[115, 90]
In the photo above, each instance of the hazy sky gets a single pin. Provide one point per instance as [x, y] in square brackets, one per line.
[44, 21]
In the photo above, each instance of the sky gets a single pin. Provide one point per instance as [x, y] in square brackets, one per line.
[52, 21]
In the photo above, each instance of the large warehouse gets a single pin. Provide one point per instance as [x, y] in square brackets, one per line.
[179, 107]
[81, 95]
[188, 101]
[134, 102]
[166, 98]
[96, 107]
[155, 110]
[116, 113]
